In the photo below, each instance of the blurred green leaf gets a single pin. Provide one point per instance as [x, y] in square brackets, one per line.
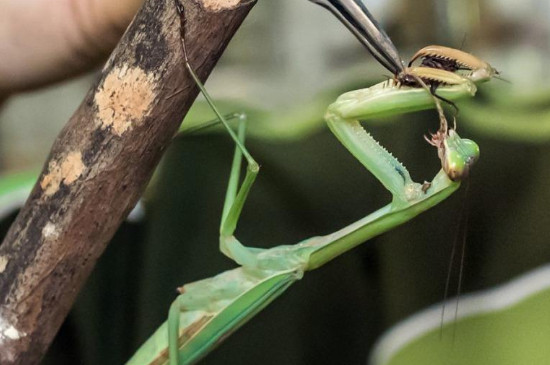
[506, 325]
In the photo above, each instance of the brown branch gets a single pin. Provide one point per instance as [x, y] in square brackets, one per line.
[100, 164]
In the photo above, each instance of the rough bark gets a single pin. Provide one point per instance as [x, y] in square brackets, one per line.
[99, 165]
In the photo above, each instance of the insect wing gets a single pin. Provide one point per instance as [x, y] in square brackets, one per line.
[215, 308]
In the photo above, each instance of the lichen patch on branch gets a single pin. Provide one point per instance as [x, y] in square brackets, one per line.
[8, 333]
[66, 171]
[50, 231]
[124, 99]
[3, 263]
[217, 5]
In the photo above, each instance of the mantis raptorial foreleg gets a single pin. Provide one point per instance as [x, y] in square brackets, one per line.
[439, 63]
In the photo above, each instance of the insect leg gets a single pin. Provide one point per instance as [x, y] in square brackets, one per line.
[433, 89]
[234, 201]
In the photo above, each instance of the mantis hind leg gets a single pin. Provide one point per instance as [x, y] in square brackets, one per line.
[173, 332]
[229, 245]
[235, 197]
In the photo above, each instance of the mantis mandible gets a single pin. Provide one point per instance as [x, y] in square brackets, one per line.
[207, 311]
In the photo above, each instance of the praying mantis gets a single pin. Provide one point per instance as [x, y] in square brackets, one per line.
[209, 310]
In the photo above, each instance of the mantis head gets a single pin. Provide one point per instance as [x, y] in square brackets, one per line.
[484, 73]
[457, 155]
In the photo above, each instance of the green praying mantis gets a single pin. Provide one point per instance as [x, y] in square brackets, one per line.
[209, 310]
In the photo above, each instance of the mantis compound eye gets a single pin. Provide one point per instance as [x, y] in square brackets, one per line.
[459, 155]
